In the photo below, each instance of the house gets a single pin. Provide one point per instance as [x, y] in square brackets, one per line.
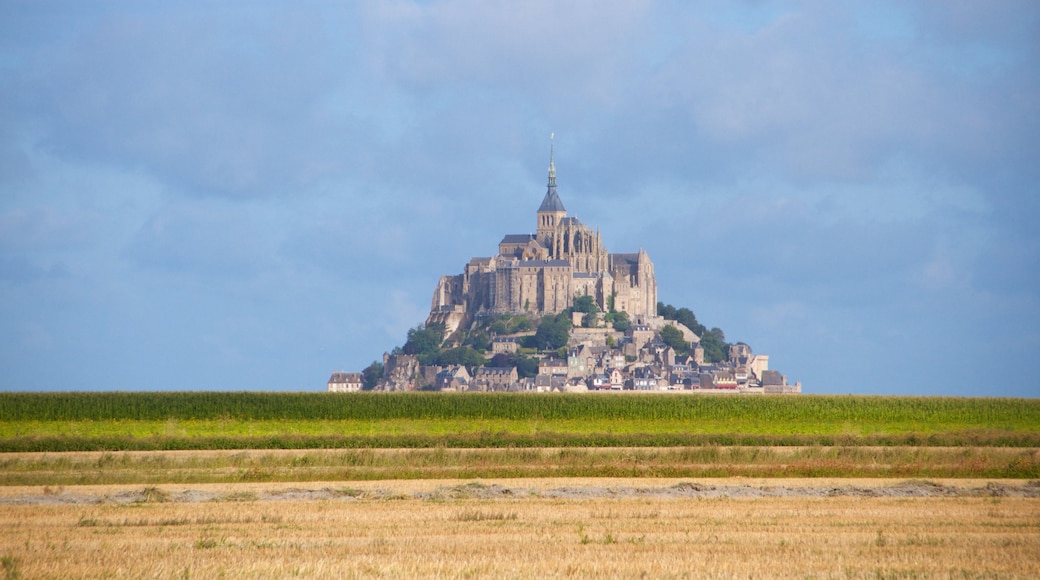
[553, 367]
[580, 361]
[640, 334]
[718, 379]
[341, 382]
[505, 345]
[455, 378]
[496, 378]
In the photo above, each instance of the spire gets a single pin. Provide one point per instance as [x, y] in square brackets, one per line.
[552, 202]
[552, 166]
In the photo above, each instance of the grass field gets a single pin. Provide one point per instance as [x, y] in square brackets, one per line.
[167, 421]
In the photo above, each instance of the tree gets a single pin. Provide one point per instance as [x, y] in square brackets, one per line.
[686, 317]
[499, 327]
[585, 304]
[478, 340]
[714, 344]
[666, 310]
[424, 340]
[674, 338]
[591, 320]
[525, 366]
[500, 360]
[520, 324]
[553, 332]
[462, 355]
[372, 374]
[621, 321]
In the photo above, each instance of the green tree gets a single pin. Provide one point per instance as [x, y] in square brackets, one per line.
[526, 366]
[478, 340]
[372, 374]
[621, 321]
[585, 304]
[462, 355]
[686, 317]
[674, 338]
[499, 327]
[714, 344]
[500, 360]
[424, 340]
[666, 310]
[553, 332]
[520, 324]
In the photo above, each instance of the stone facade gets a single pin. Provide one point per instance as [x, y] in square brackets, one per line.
[542, 273]
[342, 382]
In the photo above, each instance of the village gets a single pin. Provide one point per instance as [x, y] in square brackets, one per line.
[594, 360]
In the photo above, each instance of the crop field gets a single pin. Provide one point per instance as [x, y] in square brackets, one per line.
[168, 421]
[487, 530]
[184, 485]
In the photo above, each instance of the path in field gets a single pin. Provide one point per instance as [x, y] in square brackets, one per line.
[500, 489]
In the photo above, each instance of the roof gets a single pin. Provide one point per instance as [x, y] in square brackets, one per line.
[552, 201]
[342, 377]
[536, 264]
[629, 258]
[517, 238]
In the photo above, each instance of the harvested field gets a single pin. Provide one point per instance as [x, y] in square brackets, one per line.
[581, 528]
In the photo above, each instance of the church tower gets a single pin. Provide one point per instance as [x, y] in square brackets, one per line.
[551, 212]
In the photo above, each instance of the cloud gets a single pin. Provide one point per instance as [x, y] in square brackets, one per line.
[278, 187]
[227, 102]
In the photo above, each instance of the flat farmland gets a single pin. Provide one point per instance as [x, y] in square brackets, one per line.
[582, 528]
[428, 485]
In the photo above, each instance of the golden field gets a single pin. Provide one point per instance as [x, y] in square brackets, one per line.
[598, 528]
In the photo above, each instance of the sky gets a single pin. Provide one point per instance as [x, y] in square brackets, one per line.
[250, 195]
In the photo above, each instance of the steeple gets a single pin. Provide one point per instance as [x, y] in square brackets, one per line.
[551, 212]
[552, 202]
[552, 166]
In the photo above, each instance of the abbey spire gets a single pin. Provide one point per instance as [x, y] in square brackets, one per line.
[551, 212]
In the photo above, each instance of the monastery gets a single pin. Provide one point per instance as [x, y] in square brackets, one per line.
[542, 273]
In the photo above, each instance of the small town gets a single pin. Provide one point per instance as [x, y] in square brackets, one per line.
[596, 359]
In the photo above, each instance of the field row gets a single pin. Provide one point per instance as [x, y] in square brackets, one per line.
[57, 469]
[432, 434]
[846, 537]
[831, 414]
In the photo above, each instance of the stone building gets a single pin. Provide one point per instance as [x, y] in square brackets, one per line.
[341, 382]
[542, 273]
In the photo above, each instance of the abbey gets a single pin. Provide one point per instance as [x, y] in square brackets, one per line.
[542, 273]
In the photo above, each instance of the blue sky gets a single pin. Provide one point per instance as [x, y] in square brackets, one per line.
[250, 195]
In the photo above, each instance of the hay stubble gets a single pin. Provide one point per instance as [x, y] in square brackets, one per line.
[456, 535]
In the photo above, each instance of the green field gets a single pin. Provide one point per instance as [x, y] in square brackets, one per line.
[221, 420]
[116, 438]
[769, 413]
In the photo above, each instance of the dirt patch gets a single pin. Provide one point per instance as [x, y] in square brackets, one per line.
[493, 491]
